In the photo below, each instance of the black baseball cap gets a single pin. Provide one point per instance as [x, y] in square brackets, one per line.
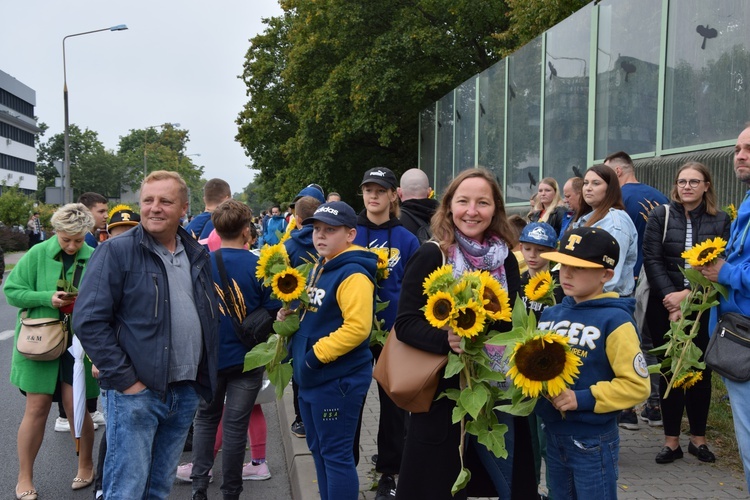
[334, 213]
[382, 176]
[589, 247]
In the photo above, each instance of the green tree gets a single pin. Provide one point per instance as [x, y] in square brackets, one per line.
[344, 82]
[15, 207]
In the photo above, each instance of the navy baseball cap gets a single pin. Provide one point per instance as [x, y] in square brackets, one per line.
[381, 176]
[587, 247]
[310, 191]
[539, 233]
[335, 213]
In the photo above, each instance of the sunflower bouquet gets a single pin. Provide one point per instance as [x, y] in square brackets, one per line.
[378, 334]
[541, 288]
[681, 355]
[468, 305]
[541, 363]
[287, 285]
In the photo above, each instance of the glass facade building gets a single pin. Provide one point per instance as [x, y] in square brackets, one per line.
[664, 80]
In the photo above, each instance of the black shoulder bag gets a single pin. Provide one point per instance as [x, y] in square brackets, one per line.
[254, 328]
[728, 351]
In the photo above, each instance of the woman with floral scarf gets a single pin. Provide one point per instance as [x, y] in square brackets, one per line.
[471, 232]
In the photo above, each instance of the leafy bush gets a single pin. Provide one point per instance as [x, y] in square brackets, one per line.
[13, 240]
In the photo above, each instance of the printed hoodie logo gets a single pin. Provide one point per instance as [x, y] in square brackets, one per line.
[577, 333]
[316, 296]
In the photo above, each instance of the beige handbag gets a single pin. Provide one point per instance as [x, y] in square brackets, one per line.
[42, 339]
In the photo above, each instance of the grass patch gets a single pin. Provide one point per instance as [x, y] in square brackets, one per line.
[720, 431]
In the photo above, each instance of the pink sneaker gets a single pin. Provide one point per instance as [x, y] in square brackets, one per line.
[252, 472]
[185, 470]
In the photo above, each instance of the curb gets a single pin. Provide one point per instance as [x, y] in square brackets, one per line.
[299, 461]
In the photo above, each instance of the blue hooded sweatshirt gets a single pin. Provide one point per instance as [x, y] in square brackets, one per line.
[334, 335]
[300, 247]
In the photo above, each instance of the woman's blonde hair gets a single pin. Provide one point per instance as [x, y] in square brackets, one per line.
[557, 201]
[443, 229]
[73, 218]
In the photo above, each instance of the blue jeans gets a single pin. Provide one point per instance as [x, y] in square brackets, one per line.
[583, 466]
[739, 398]
[240, 390]
[500, 470]
[145, 436]
[330, 412]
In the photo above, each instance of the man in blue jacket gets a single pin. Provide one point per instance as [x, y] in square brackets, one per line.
[734, 273]
[147, 317]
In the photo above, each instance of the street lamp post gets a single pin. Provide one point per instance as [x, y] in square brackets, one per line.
[145, 143]
[66, 190]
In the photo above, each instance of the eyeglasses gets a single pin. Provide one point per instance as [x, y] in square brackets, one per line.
[694, 183]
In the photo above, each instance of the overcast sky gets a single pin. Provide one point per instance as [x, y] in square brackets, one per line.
[178, 62]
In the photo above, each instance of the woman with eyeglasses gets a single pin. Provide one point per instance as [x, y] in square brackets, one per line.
[694, 217]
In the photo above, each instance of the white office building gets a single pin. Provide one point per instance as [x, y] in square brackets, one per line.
[17, 131]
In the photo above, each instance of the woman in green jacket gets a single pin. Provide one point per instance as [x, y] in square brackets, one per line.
[33, 286]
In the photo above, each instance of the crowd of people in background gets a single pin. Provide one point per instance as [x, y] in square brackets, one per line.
[154, 300]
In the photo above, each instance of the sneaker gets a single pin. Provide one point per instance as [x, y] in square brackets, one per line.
[374, 459]
[98, 418]
[652, 415]
[258, 472]
[628, 420]
[62, 425]
[386, 488]
[185, 470]
[199, 495]
[298, 429]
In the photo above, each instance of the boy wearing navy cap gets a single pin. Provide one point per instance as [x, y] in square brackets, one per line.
[332, 359]
[583, 444]
[536, 239]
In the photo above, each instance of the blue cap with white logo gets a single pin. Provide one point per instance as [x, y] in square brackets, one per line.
[335, 213]
[539, 233]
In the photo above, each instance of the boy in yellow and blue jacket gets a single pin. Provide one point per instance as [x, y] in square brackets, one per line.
[583, 440]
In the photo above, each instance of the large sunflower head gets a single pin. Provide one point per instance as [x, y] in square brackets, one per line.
[273, 259]
[495, 300]
[439, 279]
[543, 361]
[705, 252]
[689, 379]
[288, 284]
[539, 286]
[439, 309]
[469, 319]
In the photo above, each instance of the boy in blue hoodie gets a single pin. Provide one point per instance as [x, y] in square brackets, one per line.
[331, 356]
[583, 441]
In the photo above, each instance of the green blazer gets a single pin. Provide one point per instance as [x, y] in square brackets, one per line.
[30, 286]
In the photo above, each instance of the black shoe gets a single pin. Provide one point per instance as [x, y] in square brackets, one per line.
[627, 419]
[374, 459]
[667, 455]
[386, 488]
[298, 429]
[652, 415]
[702, 452]
[200, 495]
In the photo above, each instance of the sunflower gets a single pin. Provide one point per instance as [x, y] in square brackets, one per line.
[439, 309]
[495, 300]
[438, 279]
[543, 362]
[689, 379]
[539, 286]
[288, 284]
[704, 253]
[383, 261]
[469, 319]
[270, 257]
[731, 211]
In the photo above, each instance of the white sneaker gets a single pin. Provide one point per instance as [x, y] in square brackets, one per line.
[185, 470]
[258, 472]
[98, 418]
[62, 425]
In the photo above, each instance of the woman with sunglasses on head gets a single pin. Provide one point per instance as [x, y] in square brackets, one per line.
[693, 218]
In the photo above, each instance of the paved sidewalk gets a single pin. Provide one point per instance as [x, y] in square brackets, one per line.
[640, 476]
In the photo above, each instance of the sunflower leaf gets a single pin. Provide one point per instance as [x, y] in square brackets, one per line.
[280, 377]
[694, 276]
[521, 408]
[507, 338]
[379, 306]
[452, 394]
[454, 366]
[721, 289]
[461, 481]
[473, 399]
[494, 439]
[288, 327]
[261, 354]
[458, 413]
[520, 316]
